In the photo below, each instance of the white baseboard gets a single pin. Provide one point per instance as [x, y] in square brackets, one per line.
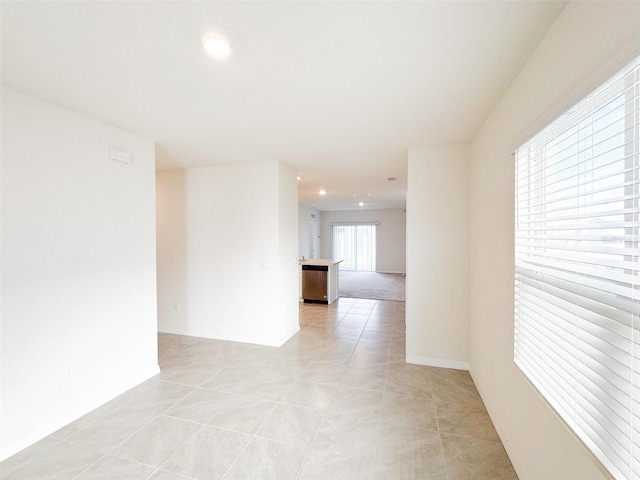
[172, 331]
[438, 362]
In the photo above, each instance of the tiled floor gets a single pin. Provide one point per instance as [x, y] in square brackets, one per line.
[337, 401]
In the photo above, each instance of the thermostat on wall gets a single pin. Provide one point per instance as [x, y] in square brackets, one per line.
[119, 156]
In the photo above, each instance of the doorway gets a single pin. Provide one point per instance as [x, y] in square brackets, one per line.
[355, 245]
[314, 240]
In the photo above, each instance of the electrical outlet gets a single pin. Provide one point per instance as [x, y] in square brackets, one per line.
[74, 367]
[176, 305]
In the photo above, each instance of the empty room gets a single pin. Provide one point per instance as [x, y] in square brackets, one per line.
[175, 175]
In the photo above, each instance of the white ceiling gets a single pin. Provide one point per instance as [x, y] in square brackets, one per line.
[339, 90]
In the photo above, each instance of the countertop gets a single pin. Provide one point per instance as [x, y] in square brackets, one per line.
[324, 262]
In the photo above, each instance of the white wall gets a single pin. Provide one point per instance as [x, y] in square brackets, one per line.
[306, 215]
[583, 45]
[227, 252]
[78, 267]
[437, 296]
[391, 235]
[171, 227]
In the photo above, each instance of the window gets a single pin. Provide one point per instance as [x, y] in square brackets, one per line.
[577, 290]
[355, 245]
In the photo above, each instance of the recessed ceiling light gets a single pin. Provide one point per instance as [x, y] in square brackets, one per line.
[361, 204]
[216, 45]
[299, 178]
[322, 192]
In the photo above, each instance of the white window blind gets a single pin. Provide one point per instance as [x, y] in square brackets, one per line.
[576, 269]
[355, 245]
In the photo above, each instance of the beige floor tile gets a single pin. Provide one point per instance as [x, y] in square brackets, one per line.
[474, 459]
[396, 361]
[357, 315]
[347, 436]
[243, 414]
[373, 345]
[217, 355]
[113, 428]
[199, 405]
[354, 320]
[376, 335]
[310, 394]
[28, 454]
[84, 421]
[380, 317]
[361, 309]
[324, 465]
[366, 378]
[319, 329]
[447, 382]
[398, 348]
[156, 395]
[193, 374]
[109, 468]
[356, 401]
[371, 333]
[284, 365]
[369, 360]
[292, 424]
[267, 387]
[164, 475]
[232, 379]
[157, 441]
[465, 415]
[409, 379]
[381, 308]
[60, 462]
[208, 454]
[338, 345]
[265, 459]
[408, 453]
[401, 409]
[337, 357]
[299, 347]
[380, 327]
[323, 373]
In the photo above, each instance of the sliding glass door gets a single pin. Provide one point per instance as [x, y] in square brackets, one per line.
[355, 245]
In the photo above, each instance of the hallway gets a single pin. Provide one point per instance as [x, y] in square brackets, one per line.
[337, 401]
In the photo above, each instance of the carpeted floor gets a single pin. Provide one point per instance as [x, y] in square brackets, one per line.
[372, 285]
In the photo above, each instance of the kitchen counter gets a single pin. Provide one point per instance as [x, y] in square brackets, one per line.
[323, 262]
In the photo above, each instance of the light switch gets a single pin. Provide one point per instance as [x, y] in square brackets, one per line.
[119, 156]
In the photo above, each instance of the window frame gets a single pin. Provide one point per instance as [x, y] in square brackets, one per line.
[556, 348]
